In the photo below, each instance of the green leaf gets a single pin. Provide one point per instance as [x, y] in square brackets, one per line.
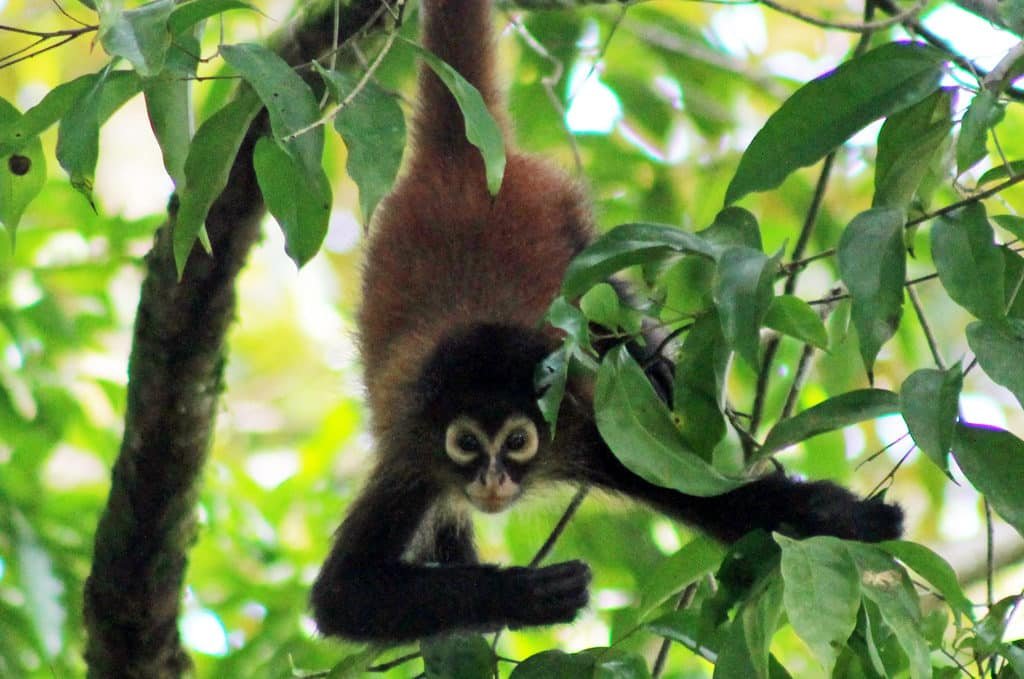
[458, 656]
[694, 560]
[600, 305]
[139, 35]
[745, 652]
[301, 204]
[701, 367]
[1000, 172]
[935, 570]
[822, 593]
[887, 585]
[969, 263]
[1012, 223]
[78, 137]
[835, 413]
[1013, 282]
[733, 226]
[554, 663]
[908, 144]
[638, 428]
[14, 134]
[22, 174]
[550, 378]
[168, 105]
[929, 400]
[289, 101]
[999, 346]
[983, 113]
[373, 127]
[792, 316]
[742, 293]
[628, 245]
[872, 263]
[829, 110]
[482, 130]
[210, 157]
[992, 459]
[188, 14]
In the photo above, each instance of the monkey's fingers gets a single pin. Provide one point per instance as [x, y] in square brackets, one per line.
[548, 595]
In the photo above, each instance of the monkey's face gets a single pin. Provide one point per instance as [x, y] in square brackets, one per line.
[492, 461]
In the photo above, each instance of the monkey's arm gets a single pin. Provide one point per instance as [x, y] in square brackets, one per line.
[772, 503]
[366, 591]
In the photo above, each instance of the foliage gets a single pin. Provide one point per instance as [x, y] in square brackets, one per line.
[849, 320]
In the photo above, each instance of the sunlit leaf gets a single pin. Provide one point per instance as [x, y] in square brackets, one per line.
[983, 113]
[835, 413]
[827, 111]
[22, 174]
[697, 388]
[792, 316]
[934, 569]
[907, 145]
[696, 559]
[482, 130]
[872, 262]
[188, 14]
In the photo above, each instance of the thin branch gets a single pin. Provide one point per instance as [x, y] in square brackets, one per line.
[685, 599]
[929, 336]
[392, 664]
[803, 367]
[853, 27]
[1003, 73]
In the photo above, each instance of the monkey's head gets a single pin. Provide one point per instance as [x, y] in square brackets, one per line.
[480, 410]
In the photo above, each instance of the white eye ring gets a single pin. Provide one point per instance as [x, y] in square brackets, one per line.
[519, 426]
[453, 439]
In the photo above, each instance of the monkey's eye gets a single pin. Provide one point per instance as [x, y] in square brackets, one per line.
[468, 442]
[516, 440]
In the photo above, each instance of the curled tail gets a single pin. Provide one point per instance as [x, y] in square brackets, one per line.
[459, 32]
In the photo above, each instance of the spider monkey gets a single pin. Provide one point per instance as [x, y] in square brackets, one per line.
[456, 284]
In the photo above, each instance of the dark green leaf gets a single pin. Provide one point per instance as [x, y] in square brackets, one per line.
[22, 174]
[759, 617]
[482, 130]
[458, 657]
[168, 105]
[907, 146]
[983, 113]
[696, 559]
[600, 305]
[872, 263]
[733, 226]
[210, 157]
[743, 292]
[139, 35]
[568, 318]
[934, 569]
[835, 413]
[999, 346]
[827, 111]
[697, 388]
[993, 461]
[289, 101]
[373, 128]
[969, 263]
[792, 316]
[822, 593]
[1013, 282]
[628, 245]
[550, 379]
[301, 204]
[928, 401]
[887, 585]
[1011, 169]
[188, 14]
[637, 427]
[554, 663]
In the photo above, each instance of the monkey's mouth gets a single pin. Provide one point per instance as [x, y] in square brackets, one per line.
[492, 501]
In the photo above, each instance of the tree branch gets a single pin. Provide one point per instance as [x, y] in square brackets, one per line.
[175, 379]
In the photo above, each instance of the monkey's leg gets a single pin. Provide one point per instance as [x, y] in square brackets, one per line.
[365, 591]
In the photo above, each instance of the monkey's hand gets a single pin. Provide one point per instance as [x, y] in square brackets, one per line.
[542, 596]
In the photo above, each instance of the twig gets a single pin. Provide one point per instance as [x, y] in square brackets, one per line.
[391, 664]
[685, 599]
[799, 377]
[853, 27]
[929, 336]
[600, 53]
